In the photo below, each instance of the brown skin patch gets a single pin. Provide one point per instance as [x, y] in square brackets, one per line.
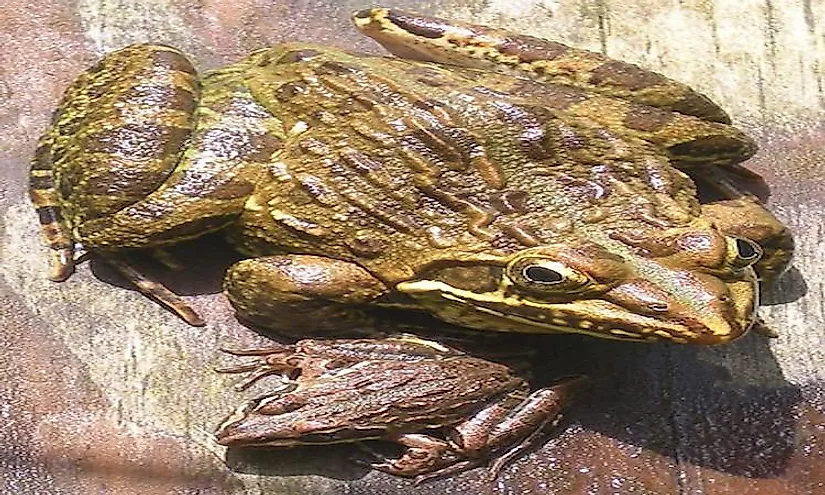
[287, 91]
[336, 69]
[203, 184]
[646, 118]
[49, 214]
[551, 95]
[693, 103]
[171, 60]
[138, 141]
[298, 56]
[157, 96]
[530, 49]
[626, 75]
[360, 162]
[418, 26]
[522, 233]
[41, 182]
[710, 146]
[368, 247]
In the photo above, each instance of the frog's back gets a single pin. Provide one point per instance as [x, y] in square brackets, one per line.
[396, 163]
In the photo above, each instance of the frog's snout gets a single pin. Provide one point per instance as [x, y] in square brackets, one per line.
[696, 309]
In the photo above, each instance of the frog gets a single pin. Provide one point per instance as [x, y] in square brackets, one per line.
[338, 390]
[492, 180]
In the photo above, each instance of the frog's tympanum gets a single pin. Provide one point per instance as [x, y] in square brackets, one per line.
[496, 181]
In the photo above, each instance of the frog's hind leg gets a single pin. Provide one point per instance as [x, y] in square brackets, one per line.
[233, 140]
[622, 97]
[45, 198]
[431, 39]
[115, 136]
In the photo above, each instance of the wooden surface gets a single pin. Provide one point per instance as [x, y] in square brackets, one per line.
[104, 392]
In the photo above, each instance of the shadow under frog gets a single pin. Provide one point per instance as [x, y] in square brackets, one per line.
[714, 407]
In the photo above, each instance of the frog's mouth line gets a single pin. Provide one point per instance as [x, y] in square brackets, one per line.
[612, 322]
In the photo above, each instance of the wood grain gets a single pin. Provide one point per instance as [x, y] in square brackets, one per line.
[104, 392]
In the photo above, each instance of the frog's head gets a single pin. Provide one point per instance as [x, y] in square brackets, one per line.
[679, 285]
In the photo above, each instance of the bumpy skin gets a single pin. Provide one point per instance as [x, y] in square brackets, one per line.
[549, 200]
[497, 181]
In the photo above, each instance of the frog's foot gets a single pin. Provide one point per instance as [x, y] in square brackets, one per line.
[44, 196]
[764, 330]
[425, 457]
[275, 359]
[738, 213]
[154, 290]
[501, 431]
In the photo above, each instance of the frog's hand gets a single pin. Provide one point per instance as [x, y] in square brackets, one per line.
[115, 136]
[431, 39]
[232, 141]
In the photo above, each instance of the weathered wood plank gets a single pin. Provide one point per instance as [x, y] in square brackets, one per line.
[105, 392]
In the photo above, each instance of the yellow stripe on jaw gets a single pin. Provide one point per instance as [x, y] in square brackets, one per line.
[586, 327]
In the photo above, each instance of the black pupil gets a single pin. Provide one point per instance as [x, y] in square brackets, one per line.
[746, 249]
[542, 275]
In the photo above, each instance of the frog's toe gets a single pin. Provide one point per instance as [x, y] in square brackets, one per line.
[425, 457]
[62, 264]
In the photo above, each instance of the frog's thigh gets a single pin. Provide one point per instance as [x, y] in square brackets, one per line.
[116, 135]
[288, 292]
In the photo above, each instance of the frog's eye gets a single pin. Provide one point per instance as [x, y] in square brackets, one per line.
[543, 275]
[538, 274]
[743, 252]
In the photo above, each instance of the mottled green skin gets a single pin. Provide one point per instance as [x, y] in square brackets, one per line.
[491, 200]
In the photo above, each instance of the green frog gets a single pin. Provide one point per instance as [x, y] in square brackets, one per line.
[496, 181]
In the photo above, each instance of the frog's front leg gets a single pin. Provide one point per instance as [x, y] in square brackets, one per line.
[303, 292]
[500, 431]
